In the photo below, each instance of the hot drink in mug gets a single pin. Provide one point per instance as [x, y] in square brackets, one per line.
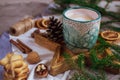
[81, 28]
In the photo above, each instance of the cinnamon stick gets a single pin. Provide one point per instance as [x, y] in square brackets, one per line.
[17, 45]
[26, 48]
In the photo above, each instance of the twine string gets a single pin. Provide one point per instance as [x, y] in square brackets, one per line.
[22, 26]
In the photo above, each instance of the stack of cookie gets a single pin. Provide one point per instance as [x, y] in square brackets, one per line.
[15, 67]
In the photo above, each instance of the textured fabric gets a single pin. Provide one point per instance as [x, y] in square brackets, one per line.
[5, 47]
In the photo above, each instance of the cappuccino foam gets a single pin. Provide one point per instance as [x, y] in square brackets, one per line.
[81, 14]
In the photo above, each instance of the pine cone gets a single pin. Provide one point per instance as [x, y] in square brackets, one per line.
[55, 30]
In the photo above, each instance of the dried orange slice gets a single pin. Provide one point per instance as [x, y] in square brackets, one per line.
[45, 23]
[38, 23]
[42, 23]
[110, 35]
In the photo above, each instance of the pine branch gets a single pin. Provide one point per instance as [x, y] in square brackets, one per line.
[66, 56]
[116, 48]
[86, 3]
[76, 64]
[109, 22]
[114, 28]
[102, 45]
[80, 61]
[60, 2]
[108, 2]
[114, 15]
[117, 55]
[94, 1]
[103, 12]
[94, 59]
[102, 63]
[107, 60]
[97, 63]
[70, 61]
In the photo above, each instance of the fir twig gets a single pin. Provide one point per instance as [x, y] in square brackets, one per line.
[102, 45]
[109, 22]
[116, 55]
[116, 48]
[114, 28]
[94, 1]
[80, 61]
[70, 61]
[102, 63]
[110, 27]
[108, 2]
[65, 4]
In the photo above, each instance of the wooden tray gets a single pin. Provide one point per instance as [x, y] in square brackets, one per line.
[42, 41]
